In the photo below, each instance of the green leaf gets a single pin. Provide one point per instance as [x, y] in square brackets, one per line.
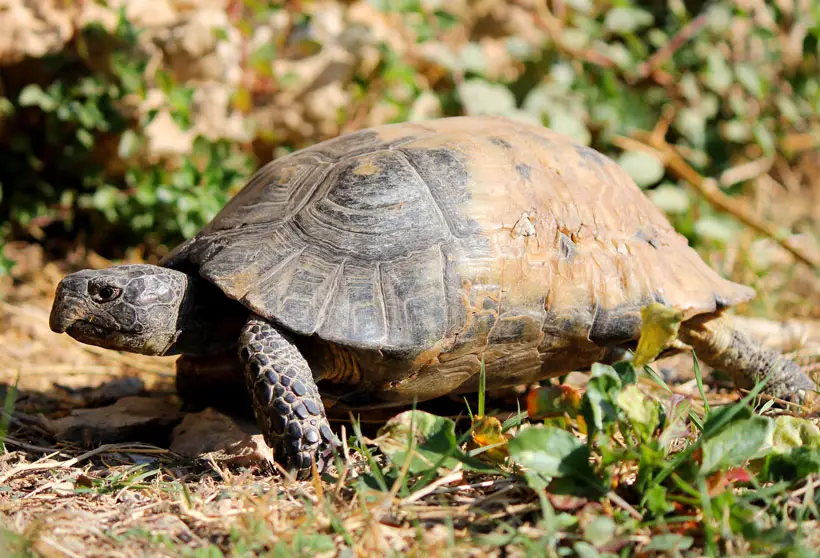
[582, 6]
[552, 452]
[735, 444]
[794, 432]
[737, 131]
[129, 143]
[32, 95]
[585, 550]
[600, 531]
[656, 500]
[598, 405]
[482, 97]
[6, 107]
[716, 228]
[669, 542]
[692, 124]
[85, 138]
[764, 138]
[625, 370]
[626, 19]
[644, 168]
[750, 79]
[518, 48]
[434, 439]
[718, 75]
[642, 411]
[570, 125]
[6, 264]
[472, 58]
[670, 198]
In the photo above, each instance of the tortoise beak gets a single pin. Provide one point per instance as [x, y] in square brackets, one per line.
[69, 304]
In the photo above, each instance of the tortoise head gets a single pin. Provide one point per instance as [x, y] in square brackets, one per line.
[135, 308]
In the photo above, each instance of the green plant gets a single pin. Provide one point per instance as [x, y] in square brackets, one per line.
[72, 164]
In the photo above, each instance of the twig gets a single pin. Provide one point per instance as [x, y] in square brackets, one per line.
[472, 486]
[788, 404]
[645, 69]
[746, 171]
[518, 509]
[25, 446]
[58, 547]
[710, 191]
[455, 476]
[624, 505]
[810, 485]
[544, 19]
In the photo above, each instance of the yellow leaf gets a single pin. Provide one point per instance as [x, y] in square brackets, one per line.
[659, 327]
[582, 424]
[487, 432]
[553, 401]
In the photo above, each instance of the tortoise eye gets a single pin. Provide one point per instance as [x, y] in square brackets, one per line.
[105, 293]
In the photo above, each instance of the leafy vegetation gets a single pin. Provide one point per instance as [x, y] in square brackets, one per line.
[705, 482]
[71, 145]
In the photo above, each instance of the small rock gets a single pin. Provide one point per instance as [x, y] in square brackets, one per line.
[131, 419]
[219, 436]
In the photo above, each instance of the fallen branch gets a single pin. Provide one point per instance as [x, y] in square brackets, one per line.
[645, 69]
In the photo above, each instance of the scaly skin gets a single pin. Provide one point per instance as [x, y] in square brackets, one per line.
[286, 400]
[158, 311]
[721, 345]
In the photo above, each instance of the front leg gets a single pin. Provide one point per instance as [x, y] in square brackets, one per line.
[286, 401]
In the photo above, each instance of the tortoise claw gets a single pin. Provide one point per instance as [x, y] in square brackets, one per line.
[323, 457]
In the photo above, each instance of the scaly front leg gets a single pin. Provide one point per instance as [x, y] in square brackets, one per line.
[286, 400]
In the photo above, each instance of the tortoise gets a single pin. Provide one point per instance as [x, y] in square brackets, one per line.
[388, 265]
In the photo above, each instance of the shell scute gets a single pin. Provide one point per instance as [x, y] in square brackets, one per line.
[378, 215]
[356, 313]
[414, 297]
[427, 218]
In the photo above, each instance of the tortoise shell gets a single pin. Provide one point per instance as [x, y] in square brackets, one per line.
[431, 246]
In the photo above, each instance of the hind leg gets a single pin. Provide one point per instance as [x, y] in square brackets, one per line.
[722, 345]
[286, 401]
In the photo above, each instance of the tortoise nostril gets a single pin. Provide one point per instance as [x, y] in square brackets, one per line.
[67, 307]
[64, 313]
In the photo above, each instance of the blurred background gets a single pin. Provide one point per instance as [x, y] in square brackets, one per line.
[125, 125]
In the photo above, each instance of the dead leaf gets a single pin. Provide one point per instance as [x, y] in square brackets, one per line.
[131, 419]
[220, 437]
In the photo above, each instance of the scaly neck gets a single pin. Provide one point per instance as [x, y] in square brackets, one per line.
[209, 322]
